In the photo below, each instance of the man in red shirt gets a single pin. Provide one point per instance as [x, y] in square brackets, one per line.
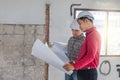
[88, 58]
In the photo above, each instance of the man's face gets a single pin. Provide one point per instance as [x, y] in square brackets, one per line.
[82, 24]
[76, 32]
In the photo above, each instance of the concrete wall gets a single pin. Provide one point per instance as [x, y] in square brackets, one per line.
[16, 61]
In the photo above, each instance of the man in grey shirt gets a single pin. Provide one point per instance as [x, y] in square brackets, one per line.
[74, 45]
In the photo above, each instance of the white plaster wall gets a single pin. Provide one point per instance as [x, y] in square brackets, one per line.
[22, 11]
[114, 74]
[60, 20]
[55, 74]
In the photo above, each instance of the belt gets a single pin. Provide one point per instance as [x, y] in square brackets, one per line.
[88, 68]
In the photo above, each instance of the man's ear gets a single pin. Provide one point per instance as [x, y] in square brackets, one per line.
[86, 20]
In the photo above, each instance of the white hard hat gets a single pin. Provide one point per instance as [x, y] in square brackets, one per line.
[85, 14]
[74, 25]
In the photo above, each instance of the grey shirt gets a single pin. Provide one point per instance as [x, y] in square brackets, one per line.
[74, 46]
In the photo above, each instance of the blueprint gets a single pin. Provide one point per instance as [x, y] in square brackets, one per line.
[54, 56]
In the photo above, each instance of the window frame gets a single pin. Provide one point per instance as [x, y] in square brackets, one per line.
[106, 42]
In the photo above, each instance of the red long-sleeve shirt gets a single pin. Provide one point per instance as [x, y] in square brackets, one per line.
[89, 54]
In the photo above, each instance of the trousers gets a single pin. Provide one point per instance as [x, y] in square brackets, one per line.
[87, 74]
[73, 76]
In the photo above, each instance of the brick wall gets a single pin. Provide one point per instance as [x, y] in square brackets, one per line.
[16, 61]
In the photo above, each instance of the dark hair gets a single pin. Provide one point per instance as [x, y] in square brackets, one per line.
[83, 18]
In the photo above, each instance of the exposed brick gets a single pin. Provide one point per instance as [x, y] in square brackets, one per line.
[1, 29]
[12, 73]
[18, 40]
[40, 30]
[16, 61]
[19, 29]
[8, 29]
[41, 37]
[8, 40]
[1, 40]
[29, 61]
[29, 29]
[29, 39]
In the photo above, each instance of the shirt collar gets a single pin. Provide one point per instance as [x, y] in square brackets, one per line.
[90, 30]
[79, 37]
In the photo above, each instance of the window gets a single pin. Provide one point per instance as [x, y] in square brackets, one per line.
[108, 24]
